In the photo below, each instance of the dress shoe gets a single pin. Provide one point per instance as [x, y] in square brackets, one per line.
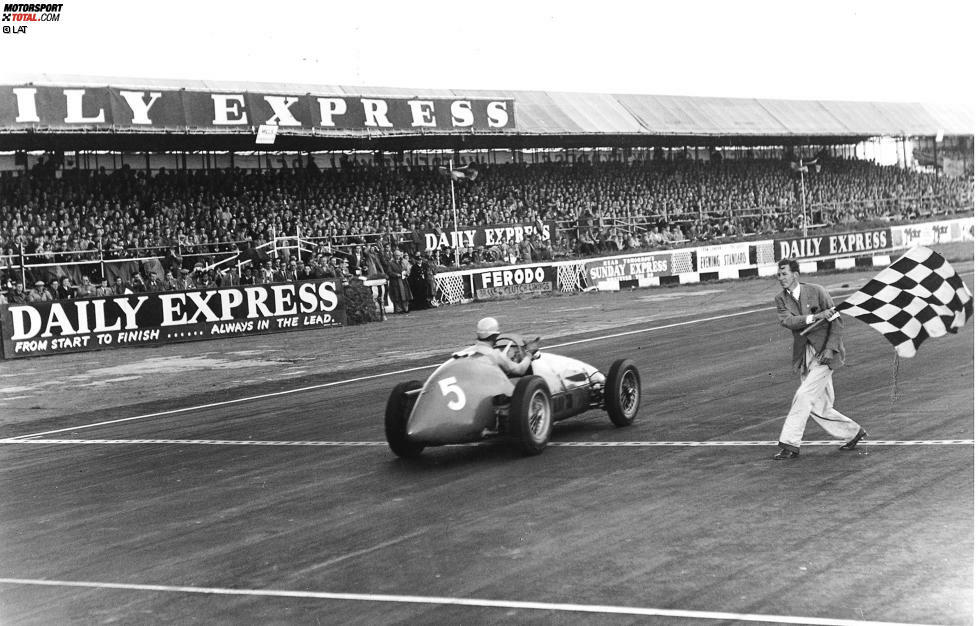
[785, 454]
[851, 444]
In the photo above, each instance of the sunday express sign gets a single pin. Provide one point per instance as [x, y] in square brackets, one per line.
[514, 281]
[832, 244]
[158, 318]
[628, 268]
[485, 236]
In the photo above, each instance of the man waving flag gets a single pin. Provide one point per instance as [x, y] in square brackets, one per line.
[918, 296]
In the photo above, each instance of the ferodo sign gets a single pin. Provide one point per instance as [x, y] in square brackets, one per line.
[156, 318]
[832, 244]
[514, 281]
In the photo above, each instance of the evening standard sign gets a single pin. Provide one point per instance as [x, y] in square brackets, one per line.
[639, 267]
[729, 256]
[511, 282]
[159, 318]
[831, 244]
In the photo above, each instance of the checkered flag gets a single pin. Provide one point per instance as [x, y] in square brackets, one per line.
[918, 296]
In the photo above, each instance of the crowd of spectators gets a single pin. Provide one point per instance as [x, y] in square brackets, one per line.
[190, 218]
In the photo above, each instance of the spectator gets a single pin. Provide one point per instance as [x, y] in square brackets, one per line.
[53, 287]
[66, 290]
[153, 284]
[132, 214]
[17, 295]
[525, 250]
[103, 288]
[171, 280]
[86, 289]
[421, 294]
[39, 293]
[227, 279]
[267, 274]
[292, 272]
[307, 273]
[397, 284]
[136, 283]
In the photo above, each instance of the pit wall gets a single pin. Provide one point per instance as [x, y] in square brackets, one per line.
[817, 251]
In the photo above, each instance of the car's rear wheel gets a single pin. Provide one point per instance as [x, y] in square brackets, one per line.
[399, 406]
[530, 415]
[622, 392]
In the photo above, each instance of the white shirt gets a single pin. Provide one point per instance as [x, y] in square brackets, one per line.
[796, 294]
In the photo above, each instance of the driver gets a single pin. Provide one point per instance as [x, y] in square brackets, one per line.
[486, 332]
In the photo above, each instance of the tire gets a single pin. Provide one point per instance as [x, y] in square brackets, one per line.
[398, 411]
[622, 392]
[531, 415]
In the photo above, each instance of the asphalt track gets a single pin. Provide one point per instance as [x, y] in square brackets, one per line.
[281, 504]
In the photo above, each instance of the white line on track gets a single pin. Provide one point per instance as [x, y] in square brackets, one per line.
[374, 376]
[473, 602]
[556, 444]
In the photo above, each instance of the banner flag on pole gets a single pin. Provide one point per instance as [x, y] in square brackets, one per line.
[802, 165]
[918, 296]
[460, 173]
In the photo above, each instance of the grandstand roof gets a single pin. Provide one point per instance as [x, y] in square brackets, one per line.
[498, 118]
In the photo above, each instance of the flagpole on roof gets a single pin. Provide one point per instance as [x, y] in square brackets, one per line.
[451, 180]
[804, 207]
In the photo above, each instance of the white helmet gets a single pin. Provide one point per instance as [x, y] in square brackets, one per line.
[486, 328]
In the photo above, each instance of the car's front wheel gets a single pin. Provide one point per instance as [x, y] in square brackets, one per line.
[530, 415]
[622, 392]
[399, 406]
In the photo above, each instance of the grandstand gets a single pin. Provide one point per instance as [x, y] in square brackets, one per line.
[167, 175]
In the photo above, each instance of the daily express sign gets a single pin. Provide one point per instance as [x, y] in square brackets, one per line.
[43, 106]
[158, 318]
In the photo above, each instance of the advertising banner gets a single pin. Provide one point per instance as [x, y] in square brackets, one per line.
[831, 244]
[159, 318]
[636, 267]
[514, 281]
[926, 234]
[728, 256]
[166, 109]
[486, 236]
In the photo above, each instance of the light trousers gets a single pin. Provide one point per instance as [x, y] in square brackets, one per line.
[814, 398]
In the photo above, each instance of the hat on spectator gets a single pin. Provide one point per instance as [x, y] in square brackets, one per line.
[38, 282]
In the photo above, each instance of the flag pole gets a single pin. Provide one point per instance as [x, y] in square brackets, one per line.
[451, 181]
[804, 208]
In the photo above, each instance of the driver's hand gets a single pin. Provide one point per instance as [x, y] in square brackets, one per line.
[533, 346]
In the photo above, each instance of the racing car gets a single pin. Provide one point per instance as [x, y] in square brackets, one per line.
[469, 398]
